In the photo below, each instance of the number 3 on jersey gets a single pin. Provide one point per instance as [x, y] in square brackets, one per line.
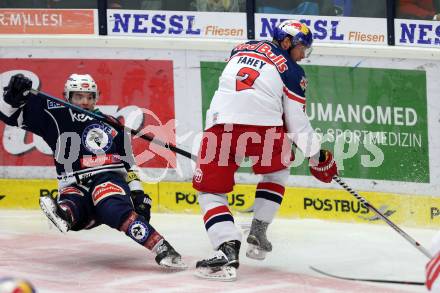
[245, 78]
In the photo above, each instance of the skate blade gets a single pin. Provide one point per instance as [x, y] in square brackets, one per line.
[48, 209]
[224, 274]
[173, 264]
[255, 252]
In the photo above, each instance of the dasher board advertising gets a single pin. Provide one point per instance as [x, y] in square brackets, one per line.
[48, 21]
[417, 33]
[329, 29]
[180, 24]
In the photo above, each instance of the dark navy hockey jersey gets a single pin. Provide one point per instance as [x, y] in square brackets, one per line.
[82, 146]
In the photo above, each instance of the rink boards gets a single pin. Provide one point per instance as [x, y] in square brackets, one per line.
[330, 204]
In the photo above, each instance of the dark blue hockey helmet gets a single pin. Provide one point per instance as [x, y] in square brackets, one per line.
[298, 31]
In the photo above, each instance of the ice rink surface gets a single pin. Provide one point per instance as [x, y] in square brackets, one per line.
[105, 260]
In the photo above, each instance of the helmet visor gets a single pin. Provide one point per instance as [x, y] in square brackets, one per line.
[307, 51]
[305, 43]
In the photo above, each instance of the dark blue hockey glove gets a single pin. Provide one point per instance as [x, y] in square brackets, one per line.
[142, 203]
[16, 93]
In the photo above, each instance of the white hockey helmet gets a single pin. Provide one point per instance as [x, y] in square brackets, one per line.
[299, 34]
[80, 83]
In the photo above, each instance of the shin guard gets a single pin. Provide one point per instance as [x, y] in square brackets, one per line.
[138, 229]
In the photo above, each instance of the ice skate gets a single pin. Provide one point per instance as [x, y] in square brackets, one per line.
[169, 258]
[258, 245]
[223, 265]
[56, 215]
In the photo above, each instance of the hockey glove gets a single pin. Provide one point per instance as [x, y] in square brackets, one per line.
[16, 93]
[142, 203]
[325, 168]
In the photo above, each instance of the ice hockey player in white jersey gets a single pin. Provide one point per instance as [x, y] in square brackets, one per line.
[94, 164]
[256, 112]
[433, 266]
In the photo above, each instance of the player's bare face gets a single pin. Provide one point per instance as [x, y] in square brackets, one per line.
[84, 100]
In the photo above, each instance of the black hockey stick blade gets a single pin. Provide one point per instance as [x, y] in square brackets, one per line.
[367, 280]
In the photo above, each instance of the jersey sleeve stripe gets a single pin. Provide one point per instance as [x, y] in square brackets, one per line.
[291, 95]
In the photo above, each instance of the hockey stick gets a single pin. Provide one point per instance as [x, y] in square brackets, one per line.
[115, 124]
[368, 280]
[388, 221]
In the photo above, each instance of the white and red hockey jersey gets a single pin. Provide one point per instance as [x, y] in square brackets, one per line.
[262, 85]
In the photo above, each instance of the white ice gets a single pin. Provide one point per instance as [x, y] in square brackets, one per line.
[105, 260]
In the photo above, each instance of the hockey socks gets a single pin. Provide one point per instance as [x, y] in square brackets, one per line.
[138, 229]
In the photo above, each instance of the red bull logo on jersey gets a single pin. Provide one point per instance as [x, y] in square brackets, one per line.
[278, 60]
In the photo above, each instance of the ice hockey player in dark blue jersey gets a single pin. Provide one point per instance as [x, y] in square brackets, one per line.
[97, 180]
